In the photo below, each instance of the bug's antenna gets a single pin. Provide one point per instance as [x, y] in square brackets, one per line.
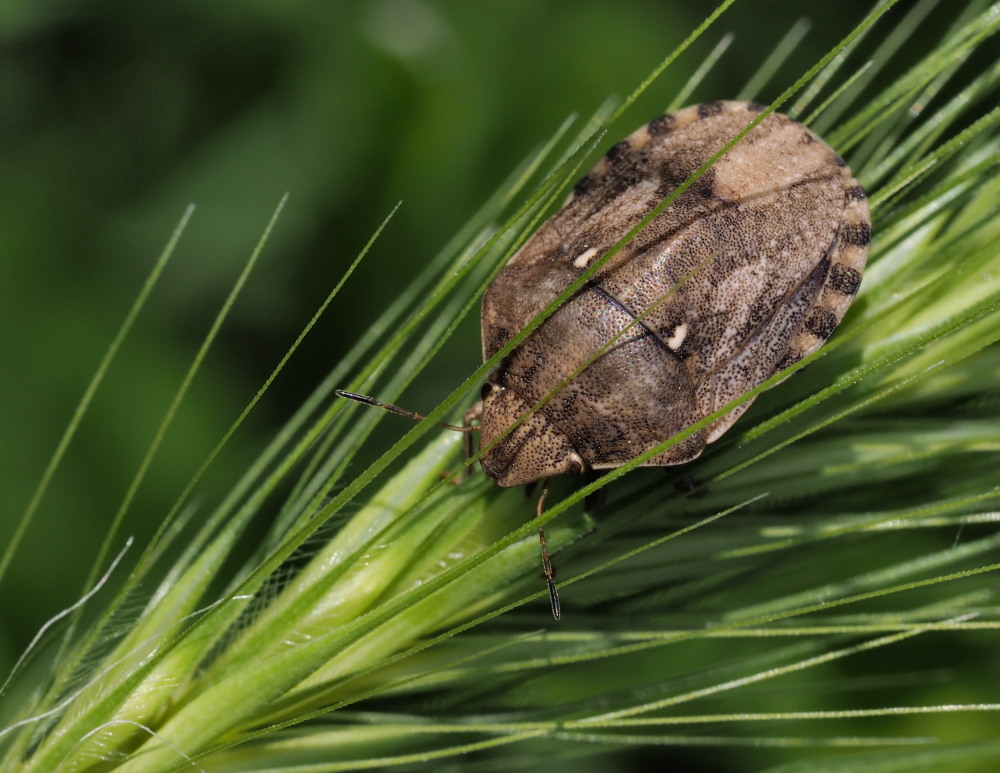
[546, 563]
[400, 411]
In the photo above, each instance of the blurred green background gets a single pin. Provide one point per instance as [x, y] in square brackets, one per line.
[116, 115]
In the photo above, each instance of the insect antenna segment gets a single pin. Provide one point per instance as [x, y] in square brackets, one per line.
[399, 411]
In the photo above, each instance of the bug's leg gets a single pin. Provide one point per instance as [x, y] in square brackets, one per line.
[471, 420]
[546, 563]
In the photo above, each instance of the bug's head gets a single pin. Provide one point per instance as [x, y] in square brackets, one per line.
[532, 450]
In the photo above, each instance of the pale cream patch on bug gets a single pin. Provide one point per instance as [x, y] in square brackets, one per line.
[583, 259]
[677, 339]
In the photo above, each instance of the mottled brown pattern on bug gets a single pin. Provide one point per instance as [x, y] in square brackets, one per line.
[747, 271]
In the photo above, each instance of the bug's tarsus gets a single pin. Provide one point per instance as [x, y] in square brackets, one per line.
[400, 411]
[546, 563]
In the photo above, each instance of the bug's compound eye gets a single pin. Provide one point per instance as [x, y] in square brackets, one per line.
[486, 390]
[575, 465]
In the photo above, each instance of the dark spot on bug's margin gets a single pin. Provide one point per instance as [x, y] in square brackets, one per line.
[807, 138]
[844, 279]
[855, 193]
[856, 234]
[821, 323]
[838, 160]
[705, 109]
[660, 126]
[756, 107]
[787, 361]
[584, 184]
[618, 151]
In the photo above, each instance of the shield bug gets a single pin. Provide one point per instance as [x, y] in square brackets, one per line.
[746, 271]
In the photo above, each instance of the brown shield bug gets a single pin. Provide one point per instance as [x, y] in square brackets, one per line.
[748, 270]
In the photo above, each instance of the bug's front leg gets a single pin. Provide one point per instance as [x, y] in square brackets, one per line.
[471, 418]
